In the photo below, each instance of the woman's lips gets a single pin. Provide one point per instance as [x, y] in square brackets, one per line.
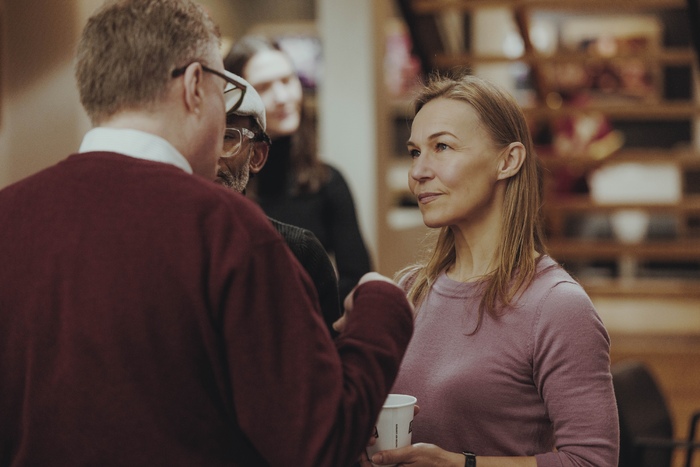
[425, 198]
[282, 113]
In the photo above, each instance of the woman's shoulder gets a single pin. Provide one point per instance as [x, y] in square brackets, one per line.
[553, 287]
[336, 186]
[559, 298]
[548, 271]
[406, 277]
[564, 314]
[334, 174]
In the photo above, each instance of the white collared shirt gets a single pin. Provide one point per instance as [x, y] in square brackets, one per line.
[134, 143]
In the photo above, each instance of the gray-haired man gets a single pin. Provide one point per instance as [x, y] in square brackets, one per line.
[151, 317]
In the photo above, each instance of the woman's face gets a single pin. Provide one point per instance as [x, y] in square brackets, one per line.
[454, 173]
[271, 73]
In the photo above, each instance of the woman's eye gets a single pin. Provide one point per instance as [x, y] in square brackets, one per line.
[264, 87]
[413, 153]
[441, 146]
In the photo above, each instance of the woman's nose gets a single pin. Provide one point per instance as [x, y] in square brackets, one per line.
[280, 92]
[420, 168]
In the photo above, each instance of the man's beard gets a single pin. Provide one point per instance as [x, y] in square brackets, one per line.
[236, 181]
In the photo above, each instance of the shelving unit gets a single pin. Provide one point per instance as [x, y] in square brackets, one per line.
[656, 119]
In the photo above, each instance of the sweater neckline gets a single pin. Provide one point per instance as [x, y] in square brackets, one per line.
[451, 288]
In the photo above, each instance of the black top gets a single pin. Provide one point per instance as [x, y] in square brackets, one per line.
[310, 253]
[328, 213]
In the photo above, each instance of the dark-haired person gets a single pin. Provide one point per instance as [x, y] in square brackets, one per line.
[297, 187]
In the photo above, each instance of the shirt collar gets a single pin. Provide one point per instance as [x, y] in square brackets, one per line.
[134, 143]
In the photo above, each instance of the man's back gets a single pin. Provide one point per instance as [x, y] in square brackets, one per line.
[110, 287]
[137, 324]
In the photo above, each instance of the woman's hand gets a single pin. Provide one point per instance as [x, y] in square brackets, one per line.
[418, 455]
[364, 460]
[429, 455]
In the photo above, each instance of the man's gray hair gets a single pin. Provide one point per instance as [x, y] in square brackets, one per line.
[129, 48]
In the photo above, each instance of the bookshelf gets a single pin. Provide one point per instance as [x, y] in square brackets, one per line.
[638, 81]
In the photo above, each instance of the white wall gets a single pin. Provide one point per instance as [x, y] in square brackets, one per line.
[351, 105]
[41, 119]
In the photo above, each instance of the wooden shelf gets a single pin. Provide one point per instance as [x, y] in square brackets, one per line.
[685, 159]
[674, 250]
[583, 204]
[632, 107]
[631, 110]
[675, 56]
[439, 6]
[642, 287]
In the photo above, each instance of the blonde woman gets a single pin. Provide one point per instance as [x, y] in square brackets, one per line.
[509, 359]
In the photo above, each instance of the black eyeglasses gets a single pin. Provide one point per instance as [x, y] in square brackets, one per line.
[233, 92]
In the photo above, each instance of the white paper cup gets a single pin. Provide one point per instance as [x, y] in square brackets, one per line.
[394, 425]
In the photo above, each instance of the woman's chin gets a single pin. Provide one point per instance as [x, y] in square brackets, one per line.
[284, 127]
[432, 223]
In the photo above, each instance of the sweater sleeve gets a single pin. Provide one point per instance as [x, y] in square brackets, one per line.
[571, 366]
[351, 256]
[300, 398]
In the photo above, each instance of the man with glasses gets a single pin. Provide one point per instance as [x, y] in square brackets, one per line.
[246, 147]
[151, 317]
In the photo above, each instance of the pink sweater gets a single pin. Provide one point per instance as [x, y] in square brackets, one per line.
[534, 379]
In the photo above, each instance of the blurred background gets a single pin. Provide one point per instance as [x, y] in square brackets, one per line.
[610, 89]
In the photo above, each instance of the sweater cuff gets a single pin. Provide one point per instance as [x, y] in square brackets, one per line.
[381, 305]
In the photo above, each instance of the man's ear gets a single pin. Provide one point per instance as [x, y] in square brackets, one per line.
[193, 87]
[511, 161]
[259, 157]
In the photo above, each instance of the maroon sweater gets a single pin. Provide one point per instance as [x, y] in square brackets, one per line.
[150, 317]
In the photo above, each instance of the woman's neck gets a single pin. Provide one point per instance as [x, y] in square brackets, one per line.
[476, 247]
[473, 260]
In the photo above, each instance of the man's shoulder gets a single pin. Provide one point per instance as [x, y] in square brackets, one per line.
[302, 242]
[292, 232]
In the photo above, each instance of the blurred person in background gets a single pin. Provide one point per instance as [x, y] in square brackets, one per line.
[296, 187]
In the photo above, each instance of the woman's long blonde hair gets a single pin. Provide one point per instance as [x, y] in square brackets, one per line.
[502, 118]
